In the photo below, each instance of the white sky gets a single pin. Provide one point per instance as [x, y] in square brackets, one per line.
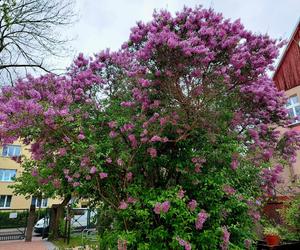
[106, 23]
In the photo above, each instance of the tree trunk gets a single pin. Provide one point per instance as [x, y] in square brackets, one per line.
[56, 214]
[30, 223]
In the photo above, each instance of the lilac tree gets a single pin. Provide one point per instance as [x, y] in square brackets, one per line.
[176, 133]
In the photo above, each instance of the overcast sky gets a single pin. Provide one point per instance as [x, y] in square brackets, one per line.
[106, 23]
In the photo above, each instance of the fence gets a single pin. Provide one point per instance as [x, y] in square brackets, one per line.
[78, 220]
[13, 223]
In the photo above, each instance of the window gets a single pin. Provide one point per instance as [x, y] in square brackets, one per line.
[11, 150]
[293, 107]
[7, 174]
[39, 203]
[5, 201]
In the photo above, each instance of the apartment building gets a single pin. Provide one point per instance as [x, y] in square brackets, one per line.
[9, 169]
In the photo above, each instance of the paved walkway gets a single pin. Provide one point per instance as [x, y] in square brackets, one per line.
[36, 244]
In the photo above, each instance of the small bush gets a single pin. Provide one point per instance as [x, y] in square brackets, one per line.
[291, 216]
[20, 221]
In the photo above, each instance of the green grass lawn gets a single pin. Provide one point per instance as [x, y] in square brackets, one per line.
[75, 241]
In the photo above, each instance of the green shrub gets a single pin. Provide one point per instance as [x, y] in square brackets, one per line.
[291, 216]
[20, 221]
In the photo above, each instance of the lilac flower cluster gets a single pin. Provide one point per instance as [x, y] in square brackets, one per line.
[185, 244]
[198, 163]
[270, 178]
[201, 218]
[162, 207]
[192, 205]
[225, 238]
[229, 190]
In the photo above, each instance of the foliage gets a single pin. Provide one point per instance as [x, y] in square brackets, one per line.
[62, 227]
[176, 133]
[287, 234]
[75, 241]
[271, 231]
[27, 185]
[20, 221]
[291, 217]
[291, 213]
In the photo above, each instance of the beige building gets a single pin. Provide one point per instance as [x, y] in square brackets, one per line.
[10, 169]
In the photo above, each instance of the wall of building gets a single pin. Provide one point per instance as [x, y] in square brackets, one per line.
[17, 202]
[291, 175]
[287, 78]
[296, 167]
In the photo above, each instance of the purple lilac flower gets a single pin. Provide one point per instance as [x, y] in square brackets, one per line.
[157, 208]
[156, 138]
[103, 175]
[93, 170]
[51, 164]
[198, 160]
[201, 218]
[113, 134]
[120, 162]
[132, 140]
[225, 238]
[163, 121]
[62, 151]
[192, 205]
[34, 172]
[234, 164]
[144, 139]
[165, 206]
[123, 205]
[56, 183]
[254, 214]
[76, 184]
[161, 207]
[108, 160]
[81, 136]
[185, 244]
[152, 152]
[129, 176]
[127, 127]
[198, 167]
[112, 124]
[85, 161]
[131, 200]
[247, 243]
[229, 190]
[76, 175]
[180, 194]
[127, 104]
[66, 171]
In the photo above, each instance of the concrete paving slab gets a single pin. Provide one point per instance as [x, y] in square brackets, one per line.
[37, 243]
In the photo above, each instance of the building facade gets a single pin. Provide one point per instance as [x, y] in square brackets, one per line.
[287, 78]
[9, 169]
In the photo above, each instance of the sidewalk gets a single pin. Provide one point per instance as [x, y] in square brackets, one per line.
[37, 243]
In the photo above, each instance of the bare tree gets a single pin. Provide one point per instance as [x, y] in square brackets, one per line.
[29, 34]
